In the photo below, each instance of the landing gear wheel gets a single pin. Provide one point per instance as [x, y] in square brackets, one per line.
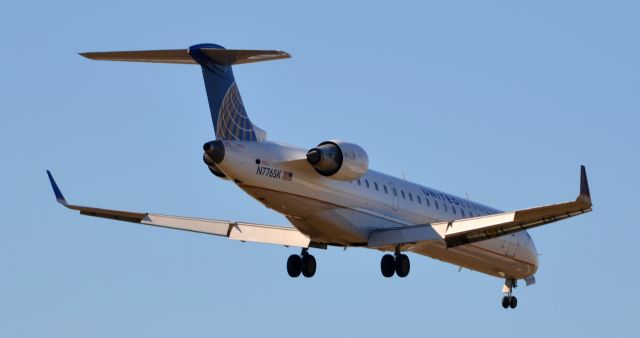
[308, 264]
[402, 265]
[505, 302]
[388, 265]
[294, 266]
[509, 300]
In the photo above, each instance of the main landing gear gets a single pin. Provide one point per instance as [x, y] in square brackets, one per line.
[398, 264]
[303, 263]
[509, 301]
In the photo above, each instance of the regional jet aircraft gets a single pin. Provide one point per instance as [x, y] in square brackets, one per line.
[332, 198]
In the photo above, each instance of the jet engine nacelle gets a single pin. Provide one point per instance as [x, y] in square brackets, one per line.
[339, 160]
[213, 154]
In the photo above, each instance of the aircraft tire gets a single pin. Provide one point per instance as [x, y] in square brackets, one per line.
[387, 265]
[513, 302]
[308, 265]
[402, 265]
[505, 302]
[294, 266]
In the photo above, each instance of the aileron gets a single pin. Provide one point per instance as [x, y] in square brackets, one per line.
[470, 230]
[246, 232]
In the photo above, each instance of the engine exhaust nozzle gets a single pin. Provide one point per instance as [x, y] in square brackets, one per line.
[215, 150]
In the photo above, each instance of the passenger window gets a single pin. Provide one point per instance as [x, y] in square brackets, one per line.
[395, 192]
[375, 184]
[403, 197]
[462, 212]
[359, 183]
[445, 207]
[410, 197]
[419, 199]
[437, 206]
[427, 200]
[385, 188]
[454, 209]
[366, 182]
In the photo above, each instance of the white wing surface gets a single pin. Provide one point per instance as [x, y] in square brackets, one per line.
[246, 232]
[470, 230]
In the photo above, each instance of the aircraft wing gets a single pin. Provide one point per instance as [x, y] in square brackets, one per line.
[470, 230]
[246, 232]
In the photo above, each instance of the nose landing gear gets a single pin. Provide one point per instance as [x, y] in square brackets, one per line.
[303, 263]
[509, 301]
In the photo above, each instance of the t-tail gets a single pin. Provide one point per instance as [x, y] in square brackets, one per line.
[228, 114]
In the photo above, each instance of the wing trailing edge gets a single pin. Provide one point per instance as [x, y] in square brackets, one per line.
[241, 231]
[470, 230]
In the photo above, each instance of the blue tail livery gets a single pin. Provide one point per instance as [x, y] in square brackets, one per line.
[228, 114]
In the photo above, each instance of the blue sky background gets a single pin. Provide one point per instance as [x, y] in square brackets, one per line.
[496, 99]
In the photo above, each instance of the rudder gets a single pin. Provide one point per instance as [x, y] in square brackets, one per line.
[228, 114]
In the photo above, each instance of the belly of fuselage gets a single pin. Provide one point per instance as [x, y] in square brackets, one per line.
[480, 258]
[331, 224]
[329, 214]
[322, 221]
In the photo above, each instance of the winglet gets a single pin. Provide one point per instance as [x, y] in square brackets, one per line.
[585, 195]
[56, 190]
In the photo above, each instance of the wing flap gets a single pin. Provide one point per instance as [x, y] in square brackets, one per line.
[416, 234]
[241, 231]
[482, 228]
[470, 230]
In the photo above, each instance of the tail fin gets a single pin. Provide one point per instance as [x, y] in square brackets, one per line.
[229, 117]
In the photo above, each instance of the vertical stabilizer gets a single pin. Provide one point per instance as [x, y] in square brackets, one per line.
[228, 114]
[229, 117]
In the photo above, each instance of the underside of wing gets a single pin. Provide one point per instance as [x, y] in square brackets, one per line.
[241, 231]
[470, 230]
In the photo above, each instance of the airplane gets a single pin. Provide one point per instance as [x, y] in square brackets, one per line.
[331, 196]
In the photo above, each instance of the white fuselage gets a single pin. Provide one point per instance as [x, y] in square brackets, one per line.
[345, 213]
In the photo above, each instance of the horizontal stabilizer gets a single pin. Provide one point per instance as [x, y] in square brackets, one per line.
[182, 56]
[246, 232]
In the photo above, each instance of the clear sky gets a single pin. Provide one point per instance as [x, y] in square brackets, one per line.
[498, 99]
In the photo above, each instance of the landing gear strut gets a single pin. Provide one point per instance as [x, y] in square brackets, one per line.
[398, 264]
[303, 263]
[509, 301]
